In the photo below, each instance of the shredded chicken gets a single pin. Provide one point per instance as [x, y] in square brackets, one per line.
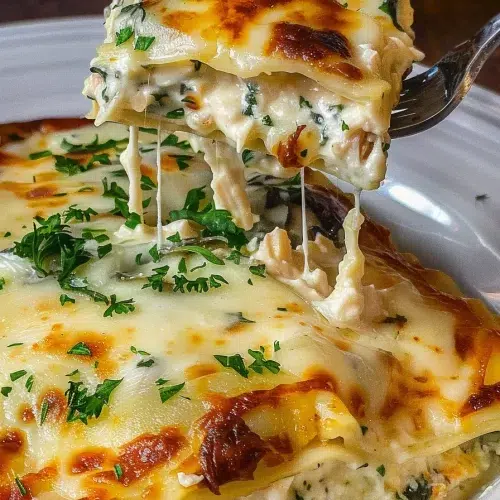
[287, 266]
[345, 304]
[228, 182]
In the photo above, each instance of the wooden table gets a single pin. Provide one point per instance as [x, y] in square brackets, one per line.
[439, 24]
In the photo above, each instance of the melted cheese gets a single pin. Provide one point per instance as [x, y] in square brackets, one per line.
[335, 73]
[403, 386]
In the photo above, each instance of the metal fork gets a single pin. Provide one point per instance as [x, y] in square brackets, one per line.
[428, 98]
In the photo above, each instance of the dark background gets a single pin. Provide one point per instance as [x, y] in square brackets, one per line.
[439, 24]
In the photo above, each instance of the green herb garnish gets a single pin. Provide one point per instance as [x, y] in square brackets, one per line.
[84, 406]
[119, 307]
[40, 154]
[234, 362]
[80, 349]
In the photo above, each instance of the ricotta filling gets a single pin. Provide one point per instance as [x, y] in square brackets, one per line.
[348, 137]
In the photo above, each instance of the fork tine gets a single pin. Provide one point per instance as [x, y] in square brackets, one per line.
[428, 98]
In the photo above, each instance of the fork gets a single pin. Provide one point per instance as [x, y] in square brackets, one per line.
[428, 98]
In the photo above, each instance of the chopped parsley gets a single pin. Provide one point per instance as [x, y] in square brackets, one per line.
[64, 299]
[119, 307]
[147, 184]
[91, 147]
[182, 160]
[29, 383]
[144, 42]
[155, 281]
[303, 153]
[196, 268]
[259, 270]
[260, 362]
[78, 214]
[283, 309]
[5, 391]
[175, 114]
[419, 491]
[204, 252]
[16, 344]
[138, 259]
[74, 372]
[250, 282]
[390, 7]
[138, 351]
[182, 268]
[217, 222]
[169, 392]
[17, 375]
[386, 146]
[155, 254]
[40, 154]
[68, 165]
[133, 220]
[118, 471]
[304, 103]
[398, 319]
[199, 285]
[381, 470]
[80, 349]
[20, 486]
[134, 9]
[266, 120]
[175, 238]
[234, 362]
[145, 363]
[44, 411]
[7, 234]
[276, 346]
[344, 126]
[2, 283]
[247, 156]
[250, 99]
[124, 34]
[235, 256]
[173, 140]
[84, 406]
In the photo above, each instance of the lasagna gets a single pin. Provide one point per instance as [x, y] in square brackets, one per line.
[309, 83]
[304, 358]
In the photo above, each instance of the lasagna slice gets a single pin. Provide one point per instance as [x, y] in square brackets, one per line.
[201, 368]
[311, 83]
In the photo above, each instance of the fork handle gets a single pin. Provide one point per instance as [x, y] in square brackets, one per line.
[479, 48]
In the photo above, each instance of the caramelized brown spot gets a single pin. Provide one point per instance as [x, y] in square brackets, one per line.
[46, 191]
[295, 41]
[56, 405]
[88, 460]
[230, 450]
[486, 396]
[11, 441]
[147, 452]
[200, 370]
[26, 414]
[289, 152]
[281, 443]
[59, 341]
[193, 102]
[356, 403]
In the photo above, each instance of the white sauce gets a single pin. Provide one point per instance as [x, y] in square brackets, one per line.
[158, 192]
[131, 161]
